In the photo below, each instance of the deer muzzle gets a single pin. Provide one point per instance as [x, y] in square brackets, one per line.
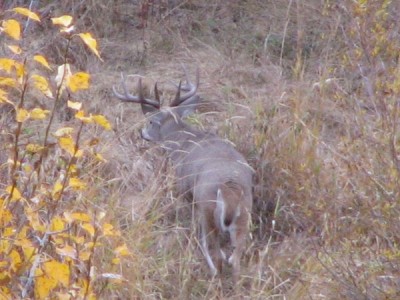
[145, 135]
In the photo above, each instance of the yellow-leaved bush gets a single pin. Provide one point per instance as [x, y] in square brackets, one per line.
[49, 236]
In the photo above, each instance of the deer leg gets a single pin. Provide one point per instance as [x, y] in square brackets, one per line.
[204, 245]
[238, 240]
[217, 252]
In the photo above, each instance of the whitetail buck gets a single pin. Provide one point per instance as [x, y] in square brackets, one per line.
[207, 168]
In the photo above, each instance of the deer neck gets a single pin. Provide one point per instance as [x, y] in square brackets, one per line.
[179, 141]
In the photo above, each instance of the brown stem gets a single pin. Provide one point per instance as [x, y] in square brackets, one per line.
[16, 141]
[53, 111]
[71, 161]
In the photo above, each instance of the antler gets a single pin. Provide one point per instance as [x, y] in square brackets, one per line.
[188, 86]
[127, 97]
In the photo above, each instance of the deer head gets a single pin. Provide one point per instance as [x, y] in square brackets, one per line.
[163, 121]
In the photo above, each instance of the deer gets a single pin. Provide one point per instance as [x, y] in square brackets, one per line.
[208, 169]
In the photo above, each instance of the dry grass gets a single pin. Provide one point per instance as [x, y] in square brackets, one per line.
[307, 96]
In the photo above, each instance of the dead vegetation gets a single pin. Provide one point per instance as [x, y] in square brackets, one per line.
[307, 90]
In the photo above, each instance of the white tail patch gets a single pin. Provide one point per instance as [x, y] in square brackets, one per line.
[221, 210]
[221, 213]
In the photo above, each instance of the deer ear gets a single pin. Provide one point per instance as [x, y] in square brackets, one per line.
[188, 107]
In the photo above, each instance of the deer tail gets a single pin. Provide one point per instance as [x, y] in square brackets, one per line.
[223, 219]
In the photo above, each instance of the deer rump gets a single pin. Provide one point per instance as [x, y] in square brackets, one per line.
[219, 181]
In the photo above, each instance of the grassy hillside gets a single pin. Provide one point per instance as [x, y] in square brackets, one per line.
[307, 90]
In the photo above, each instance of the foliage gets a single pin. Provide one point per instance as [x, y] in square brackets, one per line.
[51, 237]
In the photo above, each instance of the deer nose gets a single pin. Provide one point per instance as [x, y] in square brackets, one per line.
[144, 134]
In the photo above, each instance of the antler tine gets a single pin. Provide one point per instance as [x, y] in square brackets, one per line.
[178, 94]
[189, 87]
[157, 94]
[128, 97]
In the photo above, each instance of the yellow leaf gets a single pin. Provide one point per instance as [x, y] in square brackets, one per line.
[79, 153]
[27, 13]
[3, 97]
[19, 70]
[12, 28]
[7, 81]
[74, 105]
[102, 121]
[15, 49]
[38, 272]
[89, 228]
[81, 217]
[63, 20]
[122, 251]
[23, 232]
[43, 286]
[57, 188]
[91, 245]
[27, 168]
[57, 271]
[100, 157]
[85, 255]
[5, 217]
[7, 64]
[57, 224]
[63, 131]
[73, 170]
[67, 144]
[77, 239]
[108, 229]
[5, 292]
[27, 248]
[76, 184]
[22, 115]
[8, 232]
[15, 259]
[42, 85]
[40, 82]
[90, 42]
[16, 195]
[116, 261]
[34, 148]
[79, 81]
[41, 60]
[80, 115]
[4, 245]
[39, 114]
[34, 220]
